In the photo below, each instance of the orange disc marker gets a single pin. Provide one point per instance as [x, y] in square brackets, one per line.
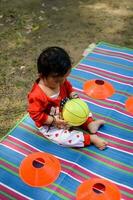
[39, 169]
[97, 189]
[129, 105]
[98, 89]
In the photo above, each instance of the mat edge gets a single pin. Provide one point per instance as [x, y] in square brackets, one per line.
[19, 121]
[114, 45]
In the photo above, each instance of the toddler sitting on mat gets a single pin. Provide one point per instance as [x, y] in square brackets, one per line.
[51, 87]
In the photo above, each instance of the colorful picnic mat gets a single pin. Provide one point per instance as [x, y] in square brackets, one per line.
[106, 62]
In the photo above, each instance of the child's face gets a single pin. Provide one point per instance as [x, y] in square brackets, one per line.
[54, 81]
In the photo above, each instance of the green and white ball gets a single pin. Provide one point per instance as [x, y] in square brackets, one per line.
[75, 112]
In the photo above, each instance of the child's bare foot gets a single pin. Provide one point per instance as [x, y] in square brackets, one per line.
[98, 142]
[94, 125]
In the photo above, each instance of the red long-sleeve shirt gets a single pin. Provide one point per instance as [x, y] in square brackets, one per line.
[40, 104]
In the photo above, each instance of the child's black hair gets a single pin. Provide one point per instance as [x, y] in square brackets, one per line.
[53, 61]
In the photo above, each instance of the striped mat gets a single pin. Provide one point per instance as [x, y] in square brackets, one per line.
[106, 62]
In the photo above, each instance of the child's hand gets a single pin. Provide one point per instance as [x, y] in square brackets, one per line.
[74, 95]
[60, 123]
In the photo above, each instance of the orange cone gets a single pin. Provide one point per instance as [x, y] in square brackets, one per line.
[97, 189]
[39, 169]
[98, 89]
[129, 104]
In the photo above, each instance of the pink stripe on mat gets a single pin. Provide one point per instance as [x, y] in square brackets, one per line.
[8, 143]
[116, 75]
[115, 139]
[74, 175]
[122, 54]
[21, 143]
[88, 68]
[107, 161]
[13, 193]
[112, 63]
[65, 194]
[14, 169]
[2, 197]
[30, 129]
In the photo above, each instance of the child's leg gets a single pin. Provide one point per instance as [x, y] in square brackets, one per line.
[98, 142]
[72, 138]
[65, 137]
[95, 125]
[92, 125]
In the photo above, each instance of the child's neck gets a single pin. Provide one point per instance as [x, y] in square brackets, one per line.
[49, 91]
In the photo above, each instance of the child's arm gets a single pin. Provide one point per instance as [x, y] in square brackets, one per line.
[56, 121]
[49, 120]
[36, 111]
[72, 93]
[36, 107]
